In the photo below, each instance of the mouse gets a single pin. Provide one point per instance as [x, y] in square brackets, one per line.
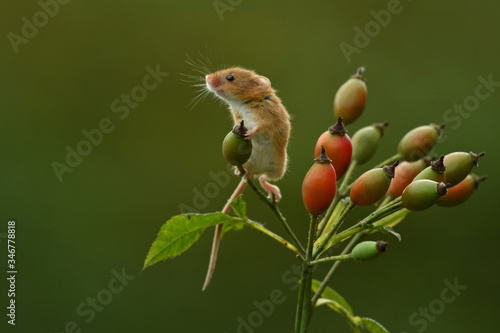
[251, 99]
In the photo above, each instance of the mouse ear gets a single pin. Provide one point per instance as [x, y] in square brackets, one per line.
[263, 83]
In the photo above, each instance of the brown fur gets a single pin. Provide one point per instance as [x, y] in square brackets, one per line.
[254, 92]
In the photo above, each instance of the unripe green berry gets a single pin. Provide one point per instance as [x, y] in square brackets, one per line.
[350, 99]
[368, 250]
[365, 142]
[236, 148]
[371, 186]
[435, 172]
[459, 165]
[419, 142]
[422, 194]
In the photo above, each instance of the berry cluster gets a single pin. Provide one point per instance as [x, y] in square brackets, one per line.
[410, 179]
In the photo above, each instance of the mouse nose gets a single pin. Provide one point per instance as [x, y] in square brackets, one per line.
[211, 80]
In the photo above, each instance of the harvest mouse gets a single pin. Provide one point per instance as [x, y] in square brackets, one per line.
[250, 98]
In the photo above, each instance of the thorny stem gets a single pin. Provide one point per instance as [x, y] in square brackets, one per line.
[276, 211]
[304, 301]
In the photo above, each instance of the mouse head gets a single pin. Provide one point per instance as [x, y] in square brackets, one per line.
[238, 85]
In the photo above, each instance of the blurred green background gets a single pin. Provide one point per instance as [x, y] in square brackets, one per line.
[105, 214]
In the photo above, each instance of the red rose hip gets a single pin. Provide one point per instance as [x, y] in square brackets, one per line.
[338, 145]
[319, 185]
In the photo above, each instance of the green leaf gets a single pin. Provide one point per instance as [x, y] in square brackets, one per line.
[237, 226]
[331, 294]
[373, 326]
[239, 207]
[351, 320]
[180, 232]
[387, 230]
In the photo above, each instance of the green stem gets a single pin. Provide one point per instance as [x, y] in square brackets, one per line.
[328, 276]
[387, 199]
[341, 257]
[261, 228]
[339, 195]
[336, 225]
[274, 208]
[347, 177]
[389, 161]
[387, 210]
[304, 300]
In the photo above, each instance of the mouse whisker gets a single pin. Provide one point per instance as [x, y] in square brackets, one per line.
[208, 65]
[201, 96]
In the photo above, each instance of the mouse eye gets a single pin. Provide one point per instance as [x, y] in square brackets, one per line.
[230, 78]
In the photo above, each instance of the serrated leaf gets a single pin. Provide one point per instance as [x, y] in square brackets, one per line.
[239, 207]
[351, 320]
[373, 326]
[180, 232]
[331, 294]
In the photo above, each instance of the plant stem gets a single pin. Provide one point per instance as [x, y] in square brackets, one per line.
[328, 276]
[304, 300]
[388, 161]
[339, 195]
[272, 205]
[341, 257]
[384, 211]
[347, 178]
[336, 225]
[261, 228]
[388, 198]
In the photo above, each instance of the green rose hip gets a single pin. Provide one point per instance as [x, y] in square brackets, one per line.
[435, 172]
[422, 194]
[459, 165]
[365, 142]
[368, 250]
[236, 148]
[419, 142]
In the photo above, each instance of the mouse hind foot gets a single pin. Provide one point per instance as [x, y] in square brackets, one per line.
[273, 190]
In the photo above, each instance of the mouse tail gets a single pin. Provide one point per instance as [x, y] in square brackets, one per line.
[213, 255]
[218, 233]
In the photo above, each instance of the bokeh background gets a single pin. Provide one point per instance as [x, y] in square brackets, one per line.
[105, 214]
